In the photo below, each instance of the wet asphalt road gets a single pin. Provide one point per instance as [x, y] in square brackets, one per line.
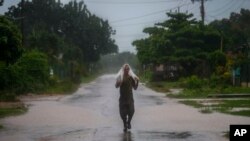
[92, 114]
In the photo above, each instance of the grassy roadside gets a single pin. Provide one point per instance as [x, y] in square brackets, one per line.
[198, 97]
[234, 107]
[67, 87]
[12, 111]
[14, 107]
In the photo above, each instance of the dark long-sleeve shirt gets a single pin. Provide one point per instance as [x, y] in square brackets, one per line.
[126, 92]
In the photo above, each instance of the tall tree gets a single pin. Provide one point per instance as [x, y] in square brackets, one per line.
[236, 30]
[180, 39]
[1, 2]
[236, 34]
[70, 35]
[72, 22]
[10, 41]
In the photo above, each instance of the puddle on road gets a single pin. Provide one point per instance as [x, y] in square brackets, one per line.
[158, 136]
[127, 136]
[149, 100]
[75, 135]
[111, 134]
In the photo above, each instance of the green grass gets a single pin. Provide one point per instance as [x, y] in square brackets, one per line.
[203, 109]
[89, 78]
[226, 134]
[236, 103]
[4, 112]
[192, 103]
[163, 86]
[201, 92]
[241, 113]
[231, 89]
[68, 87]
[227, 105]
[224, 106]
[64, 87]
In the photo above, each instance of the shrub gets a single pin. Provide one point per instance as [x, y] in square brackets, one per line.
[32, 72]
[193, 82]
[220, 80]
[147, 76]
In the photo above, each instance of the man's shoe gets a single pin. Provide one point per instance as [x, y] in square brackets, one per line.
[125, 127]
[129, 125]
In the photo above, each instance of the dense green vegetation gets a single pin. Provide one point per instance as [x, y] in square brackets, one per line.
[209, 51]
[204, 58]
[47, 47]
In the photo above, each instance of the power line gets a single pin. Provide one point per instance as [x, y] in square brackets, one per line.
[191, 8]
[135, 24]
[128, 35]
[149, 14]
[229, 8]
[221, 8]
[130, 2]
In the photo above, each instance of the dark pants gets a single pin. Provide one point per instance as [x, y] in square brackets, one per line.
[126, 111]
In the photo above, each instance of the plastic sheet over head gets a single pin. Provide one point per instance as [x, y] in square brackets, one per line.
[119, 75]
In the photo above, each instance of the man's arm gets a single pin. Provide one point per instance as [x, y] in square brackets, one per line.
[135, 83]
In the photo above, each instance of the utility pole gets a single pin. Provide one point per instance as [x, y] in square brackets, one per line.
[221, 43]
[22, 22]
[202, 8]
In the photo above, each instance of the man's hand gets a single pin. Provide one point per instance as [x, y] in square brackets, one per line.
[118, 84]
[136, 80]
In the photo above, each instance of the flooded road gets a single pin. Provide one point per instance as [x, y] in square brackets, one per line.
[92, 114]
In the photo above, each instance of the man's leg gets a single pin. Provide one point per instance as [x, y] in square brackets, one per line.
[123, 114]
[130, 115]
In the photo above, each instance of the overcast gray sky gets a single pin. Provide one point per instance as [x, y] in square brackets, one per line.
[130, 17]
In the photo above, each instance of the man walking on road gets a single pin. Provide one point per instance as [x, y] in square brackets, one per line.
[127, 81]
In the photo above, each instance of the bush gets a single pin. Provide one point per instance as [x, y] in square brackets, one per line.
[147, 76]
[193, 82]
[32, 71]
[7, 97]
[29, 74]
[220, 80]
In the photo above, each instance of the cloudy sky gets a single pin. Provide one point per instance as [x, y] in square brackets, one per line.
[130, 17]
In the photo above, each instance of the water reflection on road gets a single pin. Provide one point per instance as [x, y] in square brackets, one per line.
[92, 114]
